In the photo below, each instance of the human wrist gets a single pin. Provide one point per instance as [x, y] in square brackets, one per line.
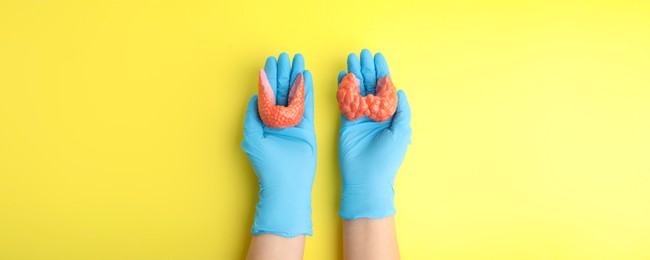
[367, 200]
[284, 211]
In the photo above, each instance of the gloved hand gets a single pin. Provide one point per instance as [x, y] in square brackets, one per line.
[284, 159]
[370, 153]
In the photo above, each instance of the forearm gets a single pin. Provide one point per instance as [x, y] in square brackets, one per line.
[268, 247]
[374, 239]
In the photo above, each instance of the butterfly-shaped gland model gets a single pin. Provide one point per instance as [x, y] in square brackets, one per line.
[277, 116]
[379, 107]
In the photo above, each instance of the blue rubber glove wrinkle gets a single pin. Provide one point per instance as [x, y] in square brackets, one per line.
[370, 153]
[283, 159]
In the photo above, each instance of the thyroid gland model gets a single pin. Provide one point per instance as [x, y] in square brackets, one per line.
[277, 116]
[379, 107]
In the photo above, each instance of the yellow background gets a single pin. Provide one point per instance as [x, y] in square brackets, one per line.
[120, 125]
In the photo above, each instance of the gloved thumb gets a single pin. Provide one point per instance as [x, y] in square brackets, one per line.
[252, 122]
[401, 123]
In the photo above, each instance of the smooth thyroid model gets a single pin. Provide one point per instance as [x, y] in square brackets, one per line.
[277, 116]
[378, 107]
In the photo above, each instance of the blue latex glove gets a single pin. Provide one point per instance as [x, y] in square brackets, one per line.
[284, 159]
[370, 153]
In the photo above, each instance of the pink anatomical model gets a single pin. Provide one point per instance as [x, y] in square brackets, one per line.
[275, 116]
[378, 107]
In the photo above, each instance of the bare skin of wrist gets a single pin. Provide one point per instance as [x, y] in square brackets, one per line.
[370, 239]
[271, 247]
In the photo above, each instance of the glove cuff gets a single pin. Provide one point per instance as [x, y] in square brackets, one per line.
[375, 200]
[281, 212]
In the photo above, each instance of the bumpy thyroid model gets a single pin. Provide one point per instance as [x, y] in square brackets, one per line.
[275, 116]
[378, 107]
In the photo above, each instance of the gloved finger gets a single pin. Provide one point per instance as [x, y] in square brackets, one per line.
[381, 66]
[368, 72]
[284, 70]
[341, 76]
[401, 122]
[253, 125]
[355, 67]
[298, 66]
[308, 116]
[344, 121]
[271, 70]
